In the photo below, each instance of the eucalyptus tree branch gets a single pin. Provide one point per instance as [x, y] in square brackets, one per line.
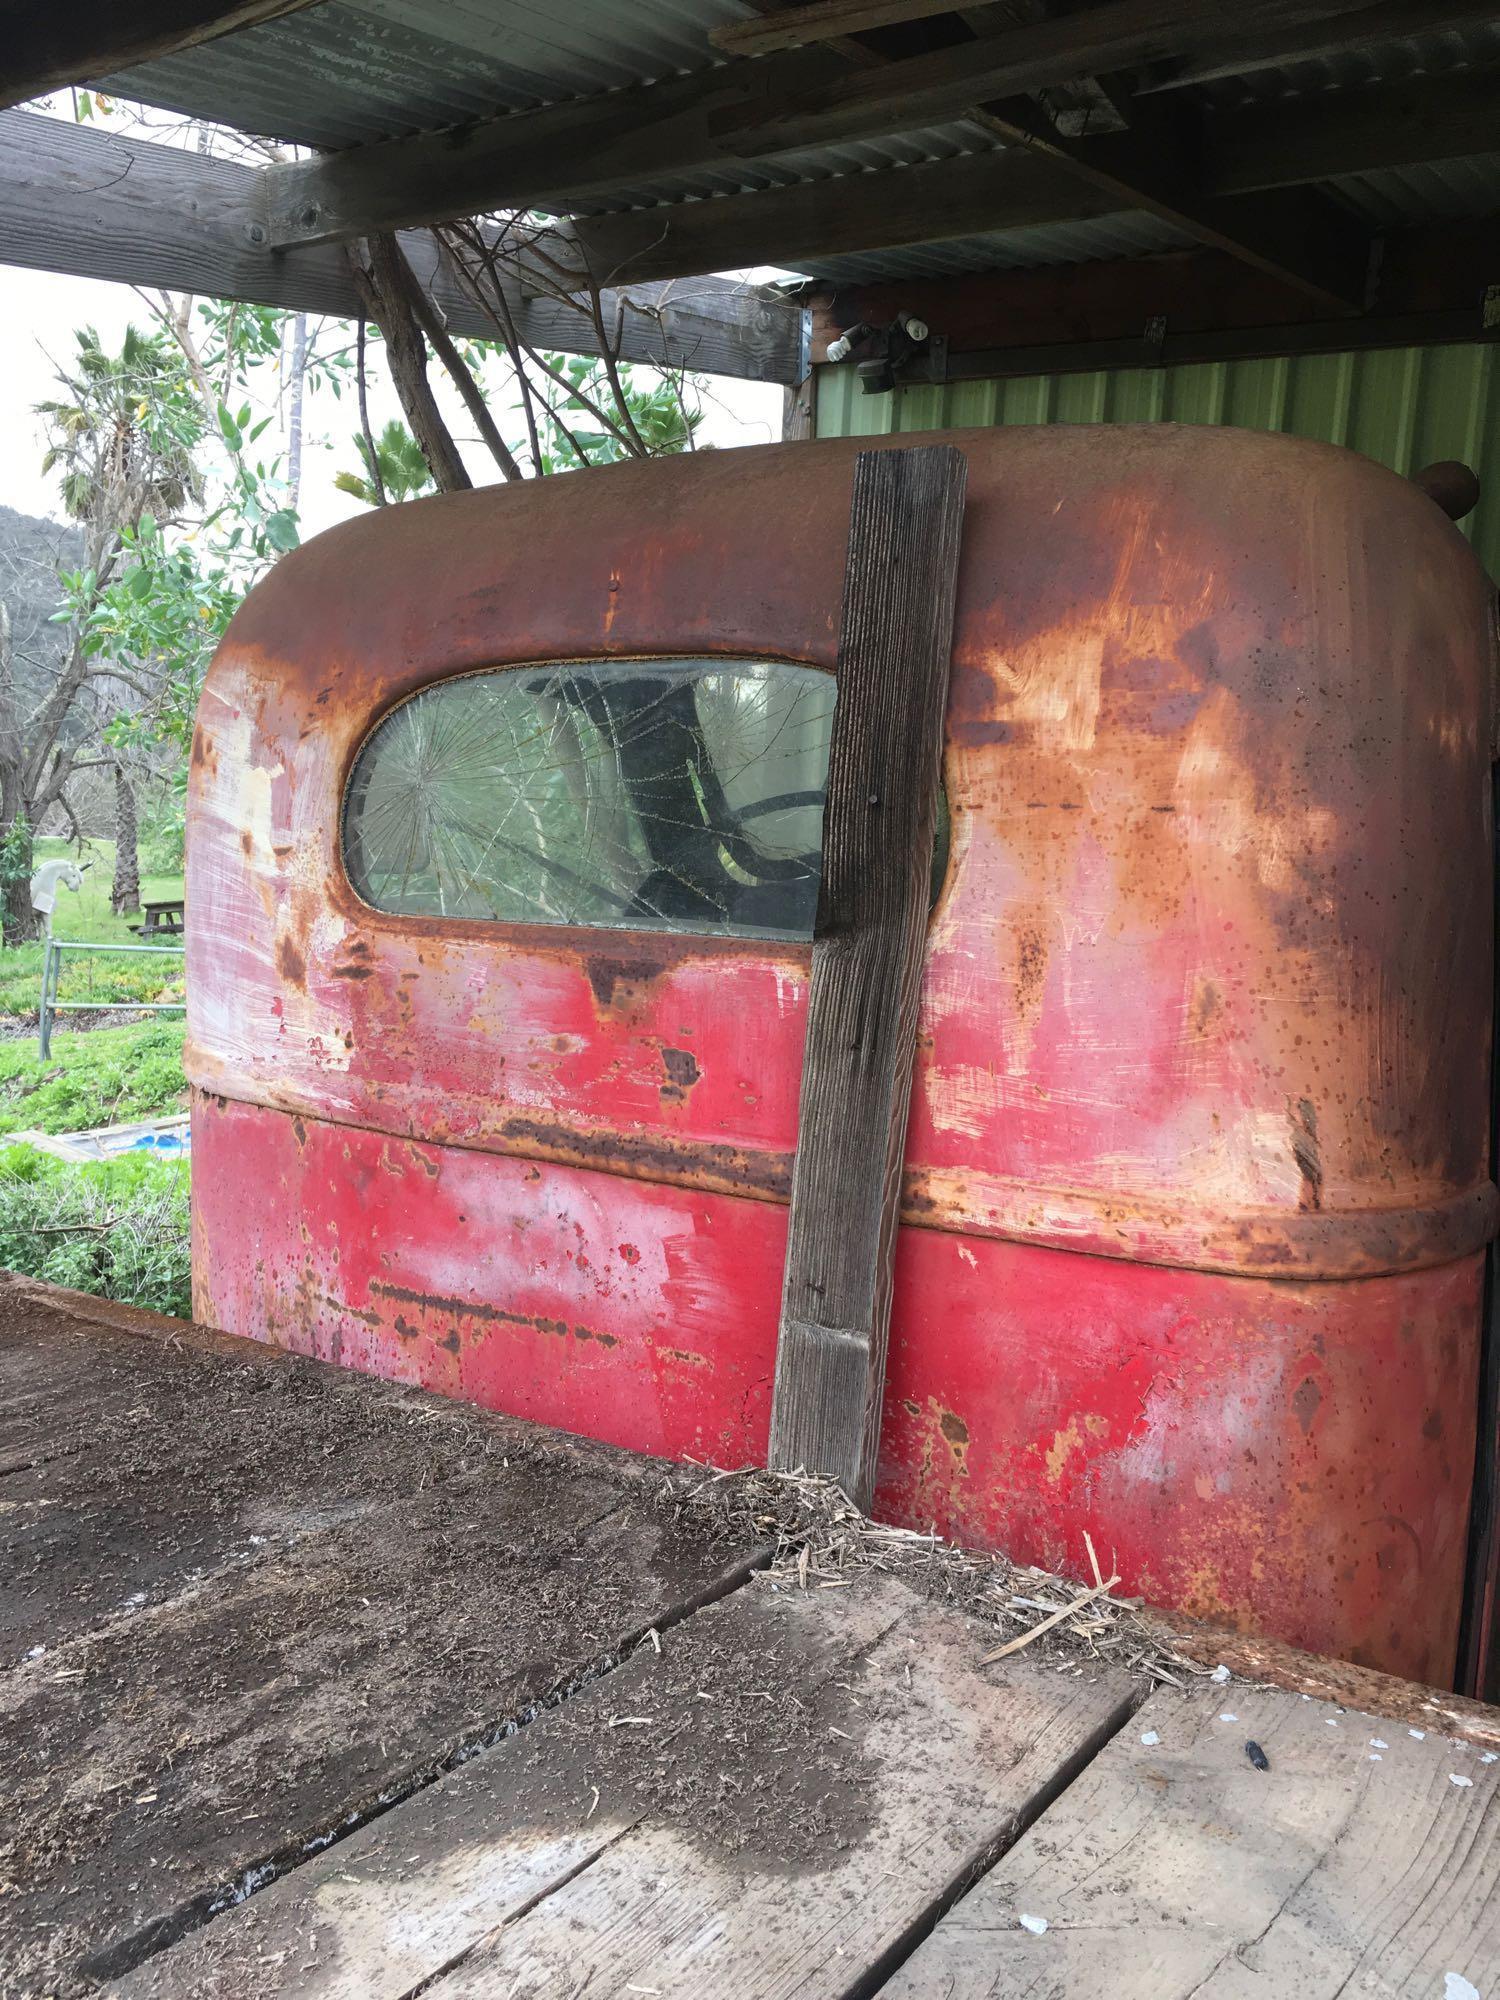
[384, 284]
[377, 483]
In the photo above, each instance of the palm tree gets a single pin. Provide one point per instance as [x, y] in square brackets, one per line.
[124, 436]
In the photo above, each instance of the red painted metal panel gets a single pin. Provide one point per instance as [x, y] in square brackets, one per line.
[1233, 1442]
[1207, 992]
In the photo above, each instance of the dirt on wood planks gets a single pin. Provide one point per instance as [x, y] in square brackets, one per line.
[261, 1598]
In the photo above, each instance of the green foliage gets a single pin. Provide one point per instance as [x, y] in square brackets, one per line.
[17, 862]
[109, 1076]
[404, 472]
[579, 418]
[658, 419]
[119, 1229]
[163, 832]
[146, 440]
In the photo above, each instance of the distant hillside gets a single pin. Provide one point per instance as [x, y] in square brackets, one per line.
[31, 552]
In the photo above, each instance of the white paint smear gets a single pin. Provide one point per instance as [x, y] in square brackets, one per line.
[1456, 1987]
[1149, 1737]
[1036, 1925]
[1455, 1779]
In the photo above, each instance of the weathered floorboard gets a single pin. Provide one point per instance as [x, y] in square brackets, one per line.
[767, 1806]
[879, 818]
[270, 1596]
[1353, 1866]
[937, 1768]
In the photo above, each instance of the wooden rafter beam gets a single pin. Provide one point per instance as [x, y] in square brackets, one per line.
[822, 21]
[725, 117]
[1433, 285]
[850, 212]
[96, 204]
[1363, 129]
[48, 46]
[1243, 153]
[1246, 51]
[1294, 235]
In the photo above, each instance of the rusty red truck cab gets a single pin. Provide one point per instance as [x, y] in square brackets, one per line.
[503, 853]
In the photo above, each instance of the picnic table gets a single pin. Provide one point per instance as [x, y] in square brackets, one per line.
[162, 919]
[319, 1686]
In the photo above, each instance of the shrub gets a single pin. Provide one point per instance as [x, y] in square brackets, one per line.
[116, 1228]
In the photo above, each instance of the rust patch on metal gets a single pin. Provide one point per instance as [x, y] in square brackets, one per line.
[1031, 968]
[1304, 1123]
[290, 963]
[1307, 1400]
[682, 1073]
[435, 1302]
[730, 1169]
[956, 1434]
[615, 978]
[582, 1332]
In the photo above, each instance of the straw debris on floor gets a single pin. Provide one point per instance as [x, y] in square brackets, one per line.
[819, 1540]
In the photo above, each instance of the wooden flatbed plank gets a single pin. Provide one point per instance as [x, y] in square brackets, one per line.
[399, 1901]
[143, 1466]
[763, 1807]
[425, 1573]
[1354, 1865]
[835, 1824]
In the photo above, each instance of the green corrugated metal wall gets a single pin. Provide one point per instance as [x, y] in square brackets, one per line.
[1405, 406]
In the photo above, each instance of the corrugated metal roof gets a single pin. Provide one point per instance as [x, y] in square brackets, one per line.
[1381, 62]
[347, 72]
[1442, 190]
[1125, 235]
[350, 71]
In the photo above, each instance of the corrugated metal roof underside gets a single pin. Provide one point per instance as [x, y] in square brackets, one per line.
[350, 71]
[1382, 62]
[1441, 191]
[1405, 406]
[811, 163]
[1125, 235]
[347, 72]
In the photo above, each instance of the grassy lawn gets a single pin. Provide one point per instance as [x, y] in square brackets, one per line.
[106, 1077]
[85, 918]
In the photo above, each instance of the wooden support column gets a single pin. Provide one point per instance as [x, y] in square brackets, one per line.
[884, 773]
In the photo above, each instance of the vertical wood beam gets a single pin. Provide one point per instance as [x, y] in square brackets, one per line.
[884, 774]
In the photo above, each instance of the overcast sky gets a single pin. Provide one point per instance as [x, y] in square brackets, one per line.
[38, 315]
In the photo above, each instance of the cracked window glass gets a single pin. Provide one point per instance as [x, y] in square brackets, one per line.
[682, 795]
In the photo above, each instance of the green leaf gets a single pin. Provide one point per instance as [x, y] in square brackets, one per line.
[282, 531]
[138, 582]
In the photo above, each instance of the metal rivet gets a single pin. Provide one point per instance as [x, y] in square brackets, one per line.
[255, 233]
